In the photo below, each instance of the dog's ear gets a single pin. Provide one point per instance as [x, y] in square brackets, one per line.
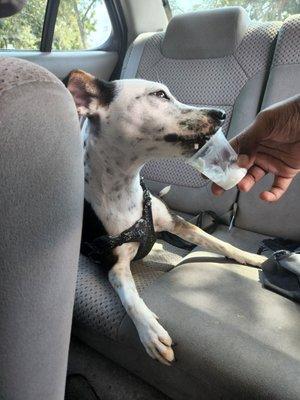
[86, 91]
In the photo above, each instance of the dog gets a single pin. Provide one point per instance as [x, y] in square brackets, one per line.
[131, 122]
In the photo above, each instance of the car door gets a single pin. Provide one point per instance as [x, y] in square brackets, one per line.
[67, 34]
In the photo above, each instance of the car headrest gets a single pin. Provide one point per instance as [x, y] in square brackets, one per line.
[10, 7]
[205, 34]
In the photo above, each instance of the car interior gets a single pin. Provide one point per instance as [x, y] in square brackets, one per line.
[64, 332]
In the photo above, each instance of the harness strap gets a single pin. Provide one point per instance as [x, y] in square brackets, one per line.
[142, 231]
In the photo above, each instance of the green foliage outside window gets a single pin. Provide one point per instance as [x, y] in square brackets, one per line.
[259, 10]
[23, 30]
[76, 22]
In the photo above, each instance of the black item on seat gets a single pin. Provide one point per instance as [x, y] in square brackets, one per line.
[281, 273]
[271, 245]
[99, 248]
[175, 240]
[78, 388]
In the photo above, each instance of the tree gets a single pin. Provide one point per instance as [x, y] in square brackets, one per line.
[259, 10]
[23, 30]
[75, 21]
[72, 32]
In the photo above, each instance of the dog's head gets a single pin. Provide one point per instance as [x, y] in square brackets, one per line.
[142, 116]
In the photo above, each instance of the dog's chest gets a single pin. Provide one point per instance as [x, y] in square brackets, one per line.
[118, 211]
[117, 205]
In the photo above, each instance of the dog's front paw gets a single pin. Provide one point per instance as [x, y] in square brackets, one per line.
[156, 340]
[250, 259]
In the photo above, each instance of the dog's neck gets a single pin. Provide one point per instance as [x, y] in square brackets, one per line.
[114, 184]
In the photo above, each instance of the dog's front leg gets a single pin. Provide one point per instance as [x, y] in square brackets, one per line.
[195, 235]
[154, 337]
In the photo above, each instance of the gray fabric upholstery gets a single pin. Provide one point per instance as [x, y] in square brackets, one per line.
[247, 104]
[41, 211]
[191, 201]
[216, 82]
[287, 47]
[133, 56]
[60, 63]
[11, 7]
[97, 306]
[284, 79]
[230, 342]
[275, 219]
[109, 380]
[284, 82]
[190, 36]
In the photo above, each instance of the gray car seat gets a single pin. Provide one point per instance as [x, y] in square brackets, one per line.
[41, 211]
[281, 218]
[235, 339]
[204, 66]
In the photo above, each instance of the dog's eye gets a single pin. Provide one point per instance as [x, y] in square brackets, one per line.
[161, 94]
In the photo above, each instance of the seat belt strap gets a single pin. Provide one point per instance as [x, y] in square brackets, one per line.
[234, 211]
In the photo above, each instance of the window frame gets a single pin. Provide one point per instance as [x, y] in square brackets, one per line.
[117, 40]
[119, 36]
[49, 25]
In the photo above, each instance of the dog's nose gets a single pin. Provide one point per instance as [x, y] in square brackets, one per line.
[217, 114]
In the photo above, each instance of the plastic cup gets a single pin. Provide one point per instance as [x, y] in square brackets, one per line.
[217, 161]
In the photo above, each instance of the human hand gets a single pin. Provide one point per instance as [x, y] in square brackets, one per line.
[271, 144]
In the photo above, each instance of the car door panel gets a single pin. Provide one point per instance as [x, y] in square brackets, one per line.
[60, 63]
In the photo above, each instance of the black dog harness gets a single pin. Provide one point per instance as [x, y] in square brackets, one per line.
[142, 232]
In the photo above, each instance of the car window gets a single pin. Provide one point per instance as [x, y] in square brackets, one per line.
[23, 31]
[259, 10]
[81, 24]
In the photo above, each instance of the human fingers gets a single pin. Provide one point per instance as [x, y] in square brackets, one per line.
[279, 187]
[254, 174]
[216, 189]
